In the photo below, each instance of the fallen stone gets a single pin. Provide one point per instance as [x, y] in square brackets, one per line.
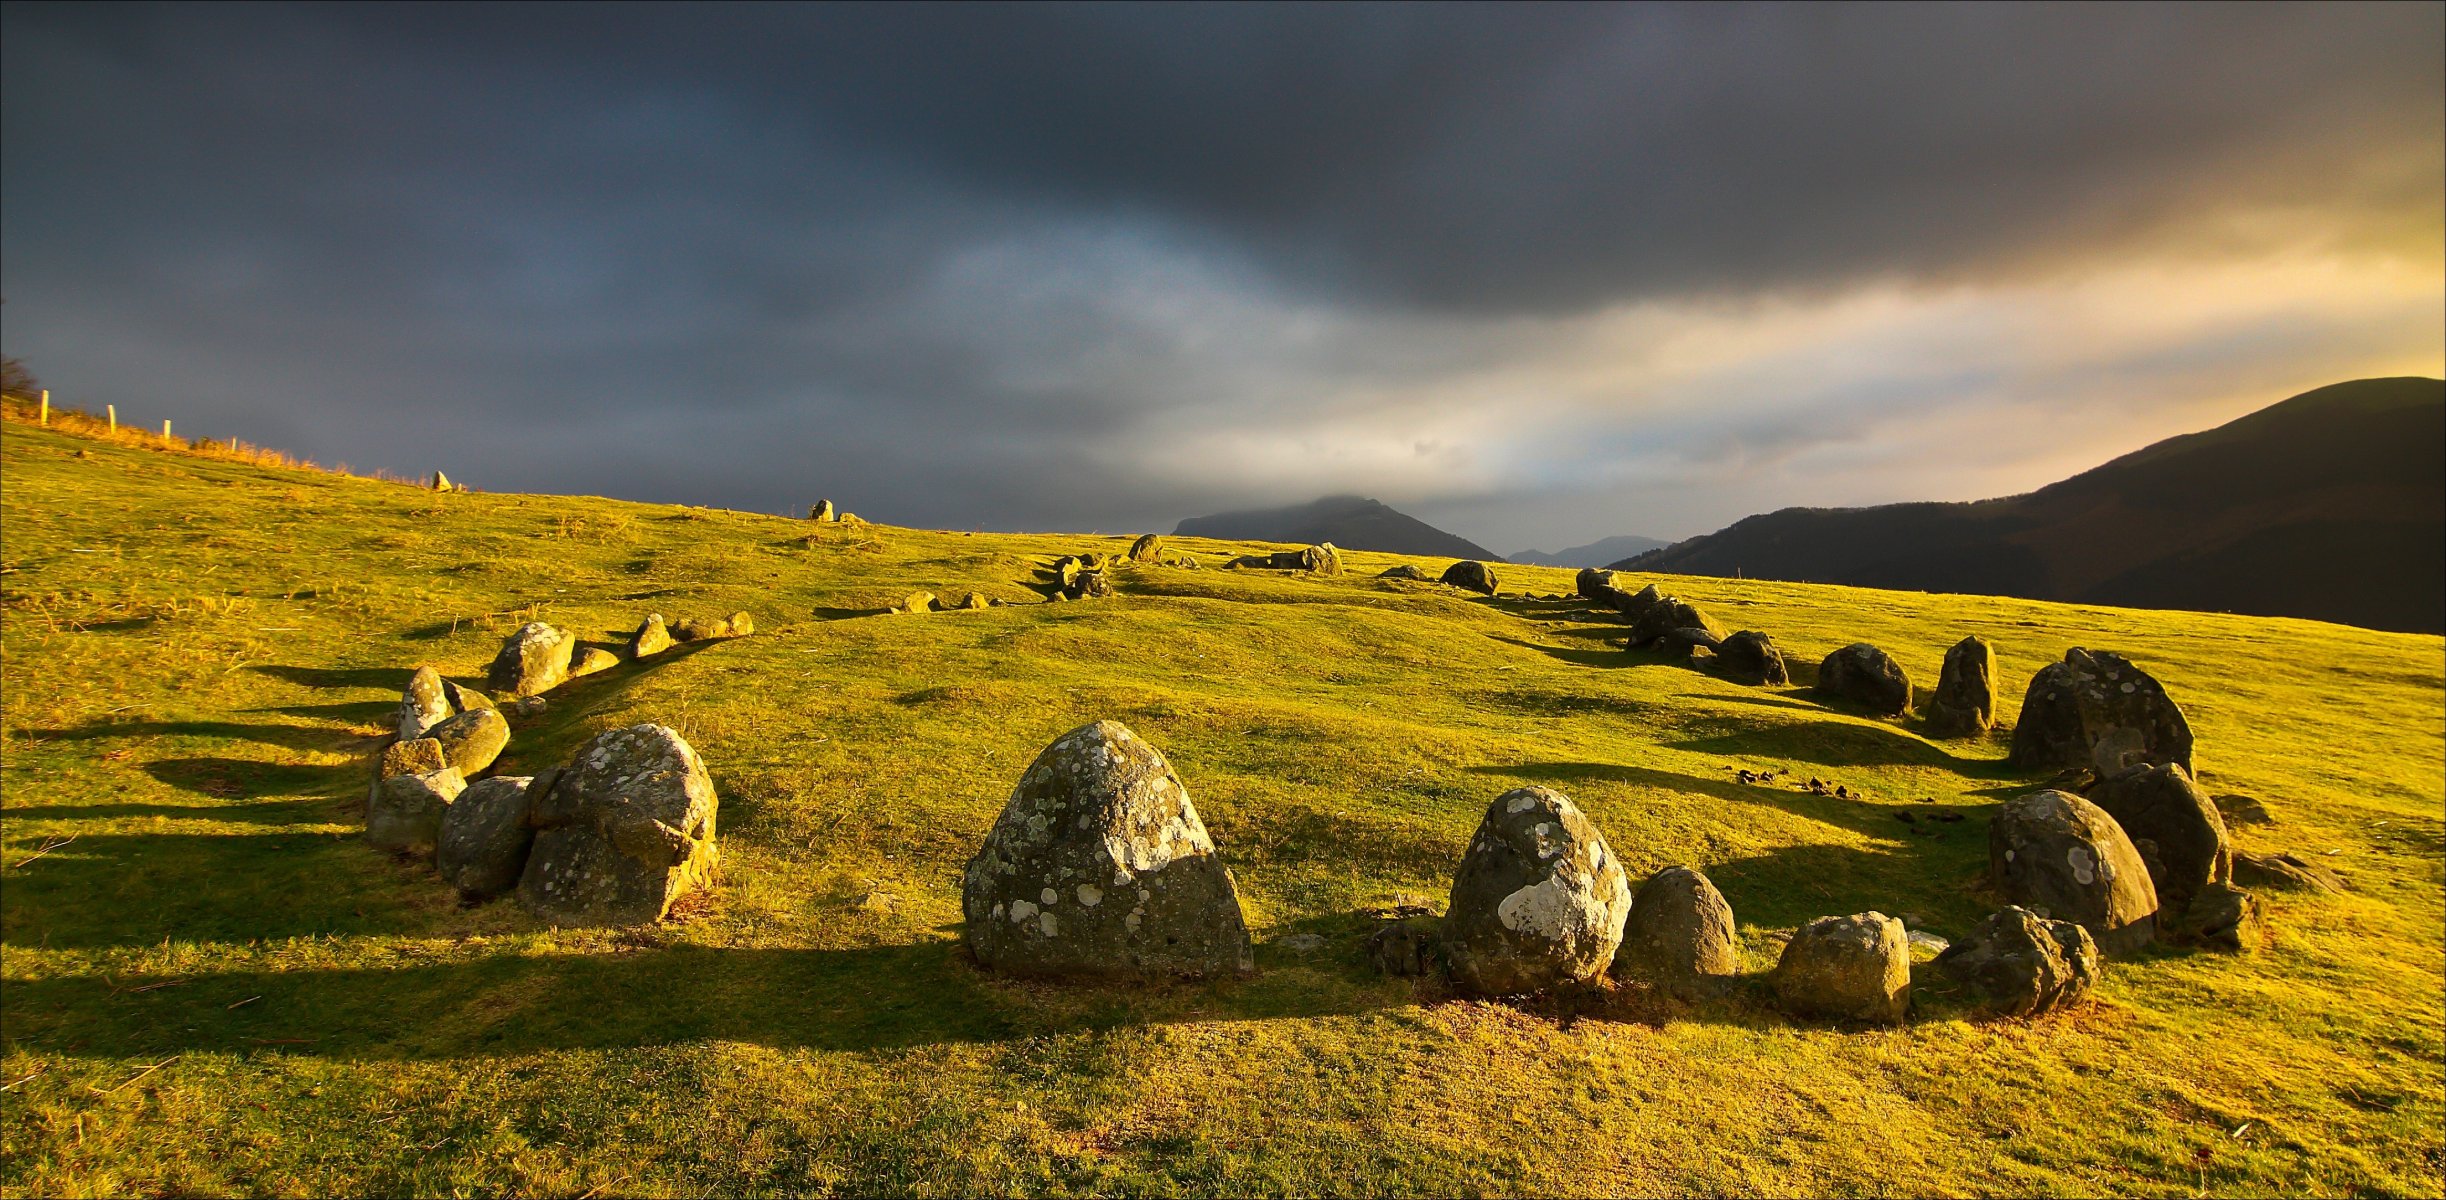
[1751, 657]
[1148, 548]
[592, 659]
[1855, 968]
[2224, 917]
[1402, 571]
[1679, 935]
[2160, 803]
[472, 740]
[2020, 964]
[2073, 704]
[484, 838]
[465, 699]
[1864, 675]
[622, 832]
[1470, 575]
[1965, 701]
[425, 704]
[2287, 872]
[419, 757]
[652, 638]
[1099, 865]
[533, 660]
[1539, 899]
[404, 812]
[2062, 857]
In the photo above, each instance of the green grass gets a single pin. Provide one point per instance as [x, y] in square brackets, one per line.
[200, 655]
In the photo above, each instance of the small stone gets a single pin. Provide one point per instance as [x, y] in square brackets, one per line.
[419, 757]
[465, 699]
[1965, 701]
[2224, 917]
[1404, 946]
[1302, 943]
[592, 659]
[1751, 657]
[652, 638]
[917, 602]
[1855, 968]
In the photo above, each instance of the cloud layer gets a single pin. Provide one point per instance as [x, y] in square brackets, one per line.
[1541, 274]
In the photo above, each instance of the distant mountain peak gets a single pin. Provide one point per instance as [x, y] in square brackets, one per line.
[1349, 521]
[1594, 554]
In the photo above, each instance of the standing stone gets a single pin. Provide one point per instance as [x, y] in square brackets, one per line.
[1864, 675]
[651, 638]
[472, 740]
[2161, 804]
[1965, 700]
[823, 511]
[405, 811]
[2021, 964]
[1099, 865]
[1751, 657]
[2092, 694]
[624, 830]
[1470, 575]
[1855, 968]
[1592, 581]
[533, 660]
[1679, 935]
[425, 704]
[1148, 548]
[1321, 558]
[1664, 615]
[1539, 899]
[2060, 856]
[592, 659]
[482, 846]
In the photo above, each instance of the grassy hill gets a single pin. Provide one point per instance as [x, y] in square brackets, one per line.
[212, 986]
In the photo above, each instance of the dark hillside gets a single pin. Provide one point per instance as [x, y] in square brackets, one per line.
[1350, 522]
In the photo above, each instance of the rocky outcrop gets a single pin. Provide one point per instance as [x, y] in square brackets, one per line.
[1866, 676]
[1751, 657]
[1538, 901]
[2160, 804]
[2091, 696]
[1099, 865]
[622, 832]
[481, 848]
[1679, 936]
[1470, 575]
[2020, 964]
[534, 659]
[1855, 968]
[2060, 856]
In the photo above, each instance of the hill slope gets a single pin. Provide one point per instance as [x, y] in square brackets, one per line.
[1349, 522]
[1595, 554]
[212, 985]
[2330, 505]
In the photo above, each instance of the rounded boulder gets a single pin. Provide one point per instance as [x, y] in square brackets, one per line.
[1864, 675]
[1855, 968]
[2060, 856]
[1539, 899]
[2020, 964]
[1470, 575]
[2091, 697]
[1679, 935]
[2160, 803]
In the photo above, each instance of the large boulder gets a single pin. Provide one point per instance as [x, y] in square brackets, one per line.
[404, 812]
[472, 740]
[1148, 548]
[2093, 695]
[1679, 936]
[482, 845]
[1470, 575]
[652, 638]
[1664, 615]
[624, 830]
[2060, 856]
[425, 704]
[2161, 804]
[532, 660]
[1965, 701]
[1099, 865]
[2020, 964]
[1751, 657]
[1590, 580]
[1855, 968]
[1538, 901]
[1864, 675]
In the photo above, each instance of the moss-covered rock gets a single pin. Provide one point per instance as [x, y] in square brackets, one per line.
[1538, 901]
[2060, 856]
[2091, 696]
[1855, 968]
[623, 831]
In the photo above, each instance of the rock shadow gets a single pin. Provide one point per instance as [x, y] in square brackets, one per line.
[390, 679]
[239, 887]
[294, 737]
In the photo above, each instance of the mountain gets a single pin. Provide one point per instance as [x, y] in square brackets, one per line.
[1594, 554]
[2330, 505]
[1350, 522]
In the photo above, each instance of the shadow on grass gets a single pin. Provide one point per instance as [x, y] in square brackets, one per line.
[295, 737]
[139, 889]
[389, 679]
[1603, 657]
[1829, 742]
[844, 614]
[257, 812]
[1858, 815]
[232, 778]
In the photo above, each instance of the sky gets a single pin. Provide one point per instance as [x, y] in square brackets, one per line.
[1535, 274]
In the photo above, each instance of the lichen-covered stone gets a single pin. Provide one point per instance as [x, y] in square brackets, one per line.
[472, 740]
[1751, 657]
[2092, 695]
[1665, 614]
[590, 660]
[625, 829]
[1591, 582]
[1864, 675]
[1099, 865]
[534, 659]
[652, 638]
[2223, 917]
[404, 812]
[425, 704]
[2021, 964]
[1965, 701]
[1855, 968]
[2161, 804]
[2060, 856]
[1679, 936]
[465, 699]
[1148, 548]
[418, 757]
[1470, 575]
[1538, 900]
[482, 845]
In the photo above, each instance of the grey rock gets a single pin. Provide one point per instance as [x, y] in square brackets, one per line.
[2021, 964]
[1965, 701]
[2287, 872]
[425, 704]
[1148, 548]
[2161, 804]
[623, 831]
[2223, 917]
[1664, 616]
[484, 837]
[1404, 946]
[2073, 704]
[472, 740]
[652, 638]
[1470, 575]
[1686, 643]
[1864, 675]
[533, 660]
[2060, 856]
[1592, 581]
[404, 812]
[418, 757]
[1679, 935]
[1538, 901]
[590, 660]
[1099, 865]
[526, 708]
[1855, 968]
[1751, 657]
[1092, 585]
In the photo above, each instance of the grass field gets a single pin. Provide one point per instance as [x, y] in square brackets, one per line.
[213, 987]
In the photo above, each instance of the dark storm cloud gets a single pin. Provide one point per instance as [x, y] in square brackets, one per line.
[934, 259]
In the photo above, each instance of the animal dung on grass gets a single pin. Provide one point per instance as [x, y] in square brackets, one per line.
[1538, 901]
[425, 704]
[404, 812]
[1855, 968]
[1679, 936]
[2159, 803]
[482, 845]
[1099, 865]
[622, 831]
[2020, 964]
[533, 659]
[2090, 696]
[1470, 576]
[1751, 657]
[472, 740]
[652, 638]
[1864, 675]
[2057, 854]
[1965, 701]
